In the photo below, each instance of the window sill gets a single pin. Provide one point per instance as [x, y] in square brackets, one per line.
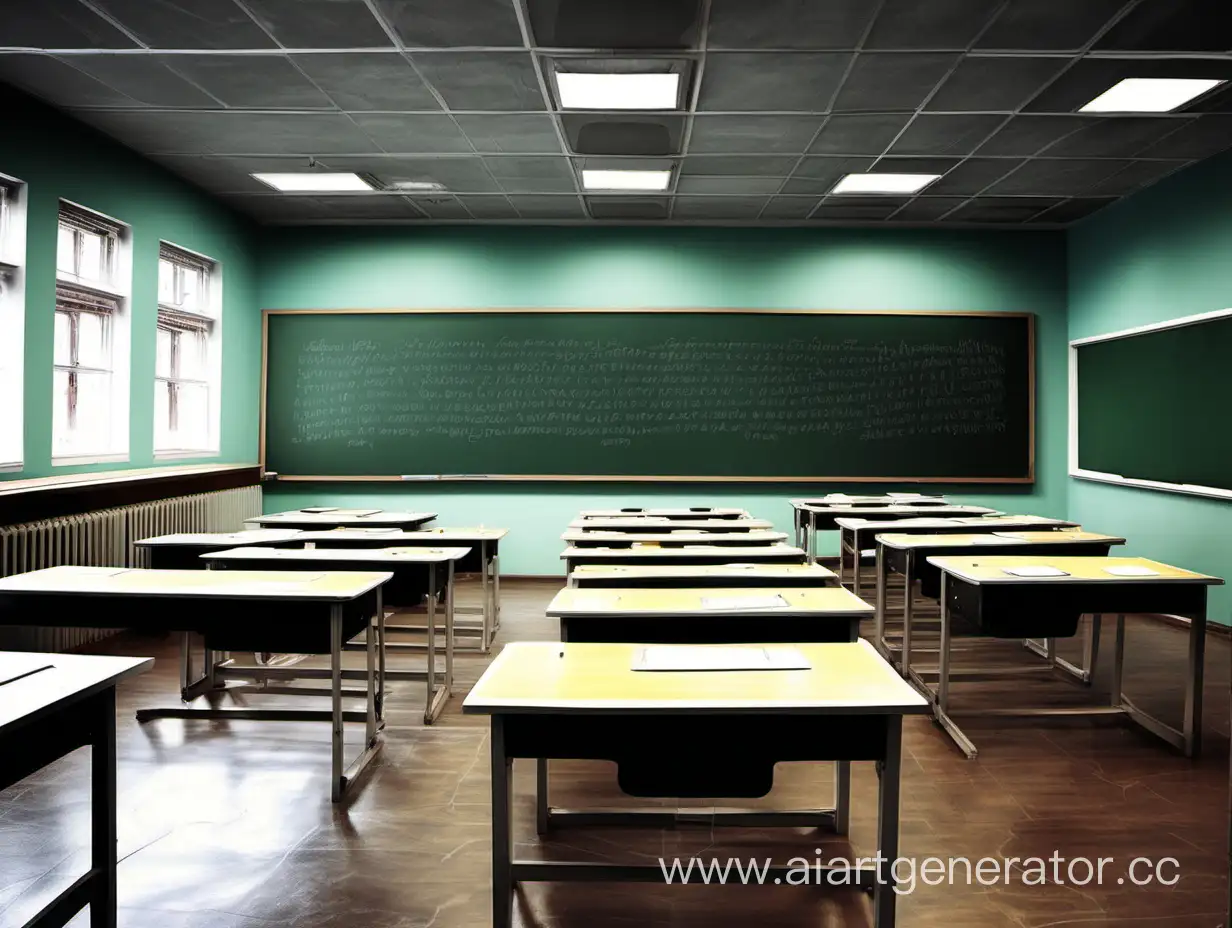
[69, 460]
[12, 468]
[182, 455]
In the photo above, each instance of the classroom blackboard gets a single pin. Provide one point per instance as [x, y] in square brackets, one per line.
[688, 395]
[1153, 405]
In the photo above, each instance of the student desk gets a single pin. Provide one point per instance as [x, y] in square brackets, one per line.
[651, 524]
[574, 556]
[417, 573]
[907, 554]
[701, 575]
[800, 507]
[856, 534]
[283, 611]
[688, 512]
[823, 518]
[582, 539]
[999, 604]
[51, 705]
[183, 550]
[335, 518]
[697, 734]
[484, 559]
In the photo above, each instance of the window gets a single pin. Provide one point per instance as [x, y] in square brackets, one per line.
[90, 400]
[12, 320]
[187, 369]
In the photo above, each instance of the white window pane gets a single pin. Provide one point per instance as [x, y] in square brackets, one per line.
[92, 257]
[194, 416]
[163, 438]
[166, 282]
[65, 245]
[93, 413]
[193, 290]
[61, 436]
[193, 348]
[93, 342]
[162, 352]
[63, 349]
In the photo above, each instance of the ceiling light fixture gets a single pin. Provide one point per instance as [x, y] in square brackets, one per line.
[580, 91]
[428, 186]
[315, 182]
[1149, 94]
[626, 180]
[884, 183]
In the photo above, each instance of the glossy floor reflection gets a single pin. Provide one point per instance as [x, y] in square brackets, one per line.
[224, 825]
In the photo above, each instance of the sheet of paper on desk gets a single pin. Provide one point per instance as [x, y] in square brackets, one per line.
[905, 495]
[1008, 535]
[1035, 572]
[319, 509]
[670, 657]
[742, 603]
[372, 530]
[1131, 570]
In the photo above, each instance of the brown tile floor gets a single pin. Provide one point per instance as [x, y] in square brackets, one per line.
[228, 825]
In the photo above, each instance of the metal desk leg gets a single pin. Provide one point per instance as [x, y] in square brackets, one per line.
[941, 703]
[487, 596]
[449, 584]
[811, 545]
[380, 657]
[1091, 650]
[103, 811]
[335, 695]
[370, 649]
[889, 768]
[543, 804]
[502, 843]
[1193, 689]
[496, 590]
[842, 797]
[1118, 662]
[855, 561]
[908, 610]
[879, 611]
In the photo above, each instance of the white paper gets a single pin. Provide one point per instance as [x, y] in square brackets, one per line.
[707, 657]
[994, 538]
[1035, 572]
[740, 566]
[318, 509]
[905, 495]
[1131, 570]
[1009, 535]
[374, 530]
[742, 603]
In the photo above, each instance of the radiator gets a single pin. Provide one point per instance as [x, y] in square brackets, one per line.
[105, 539]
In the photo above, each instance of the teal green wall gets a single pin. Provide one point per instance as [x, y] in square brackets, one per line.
[58, 157]
[326, 268]
[1164, 253]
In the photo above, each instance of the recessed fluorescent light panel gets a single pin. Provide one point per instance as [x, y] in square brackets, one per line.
[626, 180]
[884, 183]
[421, 186]
[1149, 95]
[618, 91]
[315, 182]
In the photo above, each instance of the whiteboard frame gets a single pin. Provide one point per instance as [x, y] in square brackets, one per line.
[1189, 489]
[1028, 479]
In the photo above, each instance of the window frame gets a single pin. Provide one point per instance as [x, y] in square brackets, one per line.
[13, 321]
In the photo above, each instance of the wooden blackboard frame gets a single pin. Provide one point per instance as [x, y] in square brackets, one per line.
[649, 478]
[1099, 476]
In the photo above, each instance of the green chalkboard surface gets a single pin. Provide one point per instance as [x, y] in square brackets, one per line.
[716, 395]
[1154, 405]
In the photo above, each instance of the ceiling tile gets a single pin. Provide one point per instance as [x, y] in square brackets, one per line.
[972, 176]
[319, 23]
[493, 207]
[427, 132]
[1048, 24]
[58, 82]
[61, 24]
[1073, 210]
[559, 207]
[524, 134]
[517, 174]
[1025, 135]
[752, 134]
[755, 81]
[927, 209]
[892, 82]
[1114, 137]
[717, 207]
[1135, 176]
[222, 132]
[623, 134]
[1061, 178]
[1090, 77]
[846, 212]
[440, 207]
[483, 80]
[880, 201]
[746, 165]
[933, 134]
[368, 82]
[628, 208]
[817, 175]
[432, 24]
[788, 23]
[143, 80]
[367, 206]
[1001, 209]
[1206, 136]
[615, 24]
[868, 134]
[935, 24]
[733, 185]
[1172, 25]
[249, 80]
[271, 209]
[228, 175]
[458, 174]
[992, 85]
[789, 207]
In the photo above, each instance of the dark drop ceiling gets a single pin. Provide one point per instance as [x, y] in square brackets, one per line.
[781, 98]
